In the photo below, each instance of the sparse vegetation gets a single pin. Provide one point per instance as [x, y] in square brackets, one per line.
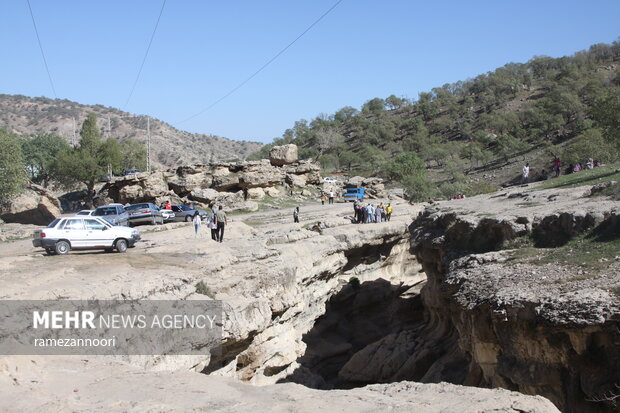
[589, 177]
[202, 288]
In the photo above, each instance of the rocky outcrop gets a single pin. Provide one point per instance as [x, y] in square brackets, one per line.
[35, 205]
[547, 329]
[221, 182]
[110, 386]
[299, 305]
[283, 155]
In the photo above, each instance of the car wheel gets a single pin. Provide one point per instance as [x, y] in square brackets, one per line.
[121, 245]
[62, 247]
[188, 219]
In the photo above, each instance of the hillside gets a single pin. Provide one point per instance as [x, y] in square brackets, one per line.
[170, 147]
[476, 134]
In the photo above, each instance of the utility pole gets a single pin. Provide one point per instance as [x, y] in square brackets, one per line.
[73, 142]
[148, 144]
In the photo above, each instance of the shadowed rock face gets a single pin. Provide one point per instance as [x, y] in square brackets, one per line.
[35, 205]
[558, 338]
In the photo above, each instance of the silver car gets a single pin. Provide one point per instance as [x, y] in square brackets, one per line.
[113, 213]
[144, 213]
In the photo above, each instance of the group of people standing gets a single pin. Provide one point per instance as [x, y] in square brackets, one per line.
[367, 213]
[215, 219]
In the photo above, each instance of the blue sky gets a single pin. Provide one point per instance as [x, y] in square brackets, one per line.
[203, 49]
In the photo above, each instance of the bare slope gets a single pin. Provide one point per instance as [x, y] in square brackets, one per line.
[171, 147]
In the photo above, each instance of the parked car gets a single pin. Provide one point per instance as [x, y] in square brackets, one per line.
[85, 212]
[130, 171]
[84, 232]
[185, 213]
[113, 213]
[144, 213]
[330, 180]
[168, 214]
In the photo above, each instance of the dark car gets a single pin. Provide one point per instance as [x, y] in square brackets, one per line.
[144, 213]
[185, 213]
[115, 214]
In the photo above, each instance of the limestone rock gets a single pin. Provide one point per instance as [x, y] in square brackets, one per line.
[296, 180]
[264, 177]
[256, 193]
[283, 155]
[226, 183]
[205, 196]
[272, 191]
[142, 187]
[35, 205]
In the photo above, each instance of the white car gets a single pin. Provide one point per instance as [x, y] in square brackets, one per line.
[330, 180]
[167, 214]
[84, 232]
[85, 212]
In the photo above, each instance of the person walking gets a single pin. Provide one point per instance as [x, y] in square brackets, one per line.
[526, 173]
[296, 215]
[323, 198]
[221, 220]
[388, 212]
[197, 222]
[331, 197]
[210, 223]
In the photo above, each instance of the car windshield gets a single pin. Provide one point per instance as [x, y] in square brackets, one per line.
[136, 206]
[53, 223]
[185, 208]
[103, 211]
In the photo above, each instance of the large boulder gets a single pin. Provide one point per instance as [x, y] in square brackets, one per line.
[283, 155]
[296, 180]
[226, 182]
[143, 187]
[186, 179]
[35, 205]
[206, 195]
[262, 178]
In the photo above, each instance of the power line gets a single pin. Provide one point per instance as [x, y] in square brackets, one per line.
[41, 48]
[263, 66]
[145, 56]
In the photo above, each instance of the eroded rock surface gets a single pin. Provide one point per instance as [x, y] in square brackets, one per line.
[276, 278]
[35, 205]
[547, 329]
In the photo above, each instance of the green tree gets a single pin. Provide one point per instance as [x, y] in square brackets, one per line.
[589, 144]
[405, 164]
[12, 174]
[133, 155]
[375, 106]
[394, 102]
[606, 112]
[508, 145]
[88, 162]
[40, 154]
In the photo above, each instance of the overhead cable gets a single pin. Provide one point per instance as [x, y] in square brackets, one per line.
[47, 69]
[145, 55]
[233, 90]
